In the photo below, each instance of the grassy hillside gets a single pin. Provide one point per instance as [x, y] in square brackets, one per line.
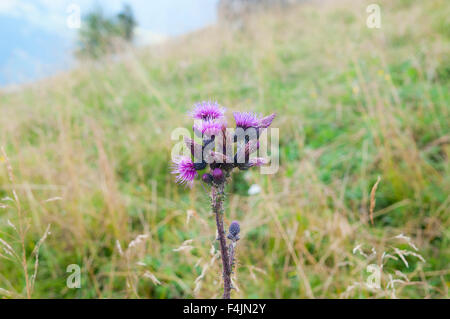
[90, 155]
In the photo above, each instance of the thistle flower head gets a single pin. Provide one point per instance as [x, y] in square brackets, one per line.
[266, 121]
[185, 170]
[208, 111]
[245, 119]
[248, 119]
[209, 127]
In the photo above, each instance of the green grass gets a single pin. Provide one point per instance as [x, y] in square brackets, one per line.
[353, 103]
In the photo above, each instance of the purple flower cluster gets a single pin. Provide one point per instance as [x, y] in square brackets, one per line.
[210, 124]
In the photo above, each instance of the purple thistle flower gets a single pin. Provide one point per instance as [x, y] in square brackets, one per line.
[208, 111]
[184, 167]
[266, 121]
[249, 119]
[245, 119]
[257, 161]
[210, 127]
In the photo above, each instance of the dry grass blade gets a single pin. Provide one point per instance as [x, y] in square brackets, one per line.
[7, 249]
[6, 293]
[372, 198]
[35, 253]
[10, 173]
[22, 229]
[152, 277]
[185, 246]
[53, 199]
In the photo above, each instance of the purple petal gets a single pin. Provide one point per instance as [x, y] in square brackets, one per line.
[245, 119]
[266, 121]
[208, 111]
[210, 127]
[184, 168]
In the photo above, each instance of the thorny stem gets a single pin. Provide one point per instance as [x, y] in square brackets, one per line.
[217, 199]
[231, 253]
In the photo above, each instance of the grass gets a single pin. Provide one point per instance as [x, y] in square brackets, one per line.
[353, 104]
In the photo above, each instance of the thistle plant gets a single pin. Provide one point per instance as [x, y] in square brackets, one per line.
[219, 151]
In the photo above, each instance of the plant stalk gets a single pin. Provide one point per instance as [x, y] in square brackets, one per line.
[217, 199]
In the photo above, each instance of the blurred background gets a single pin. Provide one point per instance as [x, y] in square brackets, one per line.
[40, 38]
[90, 92]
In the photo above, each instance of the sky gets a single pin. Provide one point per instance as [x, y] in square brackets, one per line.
[36, 39]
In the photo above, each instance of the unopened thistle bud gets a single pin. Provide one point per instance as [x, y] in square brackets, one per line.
[207, 178]
[217, 174]
[233, 231]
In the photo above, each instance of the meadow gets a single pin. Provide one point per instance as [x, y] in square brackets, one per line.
[88, 152]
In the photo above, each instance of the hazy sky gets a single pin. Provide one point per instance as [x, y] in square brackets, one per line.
[35, 40]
